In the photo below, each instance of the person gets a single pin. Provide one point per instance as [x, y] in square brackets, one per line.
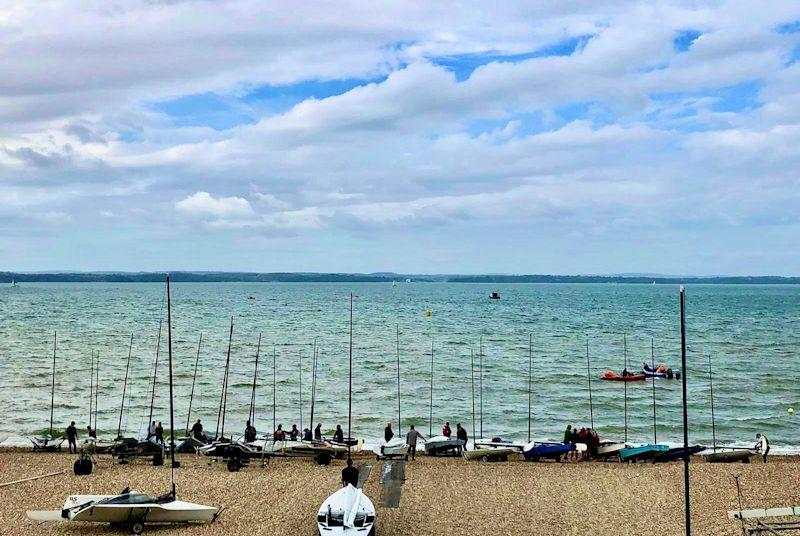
[762, 446]
[350, 474]
[446, 431]
[293, 433]
[625, 373]
[280, 434]
[318, 432]
[411, 441]
[306, 434]
[582, 437]
[197, 431]
[159, 433]
[249, 432]
[338, 435]
[388, 433]
[646, 367]
[151, 430]
[568, 434]
[461, 434]
[92, 433]
[72, 438]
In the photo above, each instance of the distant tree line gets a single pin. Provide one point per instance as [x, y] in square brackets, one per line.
[732, 280]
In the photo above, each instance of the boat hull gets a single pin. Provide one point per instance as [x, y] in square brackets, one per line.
[729, 456]
[610, 449]
[645, 452]
[441, 446]
[674, 454]
[553, 451]
[489, 454]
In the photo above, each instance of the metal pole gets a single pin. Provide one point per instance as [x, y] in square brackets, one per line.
[430, 419]
[171, 404]
[399, 422]
[713, 420]
[124, 388]
[530, 379]
[589, 376]
[300, 393]
[480, 378]
[194, 379]
[91, 389]
[313, 385]
[227, 378]
[155, 370]
[685, 416]
[252, 413]
[96, 390]
[350, 385]
[472, 373]
[222, 394]
[274, 382]
[624, 383]
[53, 387]
[653, 366]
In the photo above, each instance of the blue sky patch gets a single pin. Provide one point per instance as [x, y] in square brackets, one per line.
[789, 27]
[684, 39]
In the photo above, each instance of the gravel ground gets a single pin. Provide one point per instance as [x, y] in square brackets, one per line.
[440, 496]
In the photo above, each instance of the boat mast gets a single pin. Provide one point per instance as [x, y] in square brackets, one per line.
[480, 378]
[274, 390]
[124, 388]
[625, 383]
[300, 391]
[653, 366]
[171, 405]
[530, 379]
[399, 422]
[53, 386]
[350, 385]
[224, 400]
[589, 377]
[713, 420]
[91, 389]
[96, 390]
[194, 379]
[155, 369]
[251, 415]
[472, 374]
[430, 419]
[313, 384]
[687, 501]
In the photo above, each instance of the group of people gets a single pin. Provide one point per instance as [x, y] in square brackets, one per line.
[72, 436]
[587, 436]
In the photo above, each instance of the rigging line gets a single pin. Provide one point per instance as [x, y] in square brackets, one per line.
[53, 388]
[124, 388]
[194, 379]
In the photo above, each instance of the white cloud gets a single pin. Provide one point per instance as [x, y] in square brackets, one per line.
[203, 204]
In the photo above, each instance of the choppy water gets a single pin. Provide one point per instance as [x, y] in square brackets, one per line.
[751, 332]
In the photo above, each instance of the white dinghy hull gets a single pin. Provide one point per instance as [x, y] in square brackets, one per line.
[347, 511]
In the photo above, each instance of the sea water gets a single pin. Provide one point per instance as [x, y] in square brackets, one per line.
[751, 333]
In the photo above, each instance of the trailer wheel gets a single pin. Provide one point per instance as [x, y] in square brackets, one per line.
[158, 459]
[322, 458]
[234, 465]
[137, 527]
[746, 460]
[484, 458]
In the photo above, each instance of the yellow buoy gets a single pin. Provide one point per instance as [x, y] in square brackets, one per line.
[790, 411]
[427, 312]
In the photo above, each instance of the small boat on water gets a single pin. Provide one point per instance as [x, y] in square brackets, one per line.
[644, 452]
[537, 451]
[494, 296]
[729, 456]
[676, 453]
[612, 376]
[347, 511]
[443, 446]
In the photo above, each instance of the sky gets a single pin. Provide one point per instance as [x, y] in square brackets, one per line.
[561, 137]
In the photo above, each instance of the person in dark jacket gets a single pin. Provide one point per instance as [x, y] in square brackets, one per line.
[92, 432]
[294, 433]
[318, 432]
[388, 433]
[197, 431]
[338, 435]
[461, 433]
[280, 434]
[249, 433]
[306, 434]
[159, 433]
[72, 438]
[350, 474]
[411, 441]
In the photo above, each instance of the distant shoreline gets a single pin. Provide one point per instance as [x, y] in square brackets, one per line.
[306, 277]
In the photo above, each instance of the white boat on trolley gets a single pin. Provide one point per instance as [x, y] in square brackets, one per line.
[347, 511]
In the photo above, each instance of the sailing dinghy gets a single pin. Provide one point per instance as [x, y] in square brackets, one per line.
[132, 509]
[347, 511]
[49, 443]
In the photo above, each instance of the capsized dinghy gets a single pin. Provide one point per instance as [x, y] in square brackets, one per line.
[443, 446]
[129, 509]
[347, 511]
[645, 452]
[729, 456]
[536, 451]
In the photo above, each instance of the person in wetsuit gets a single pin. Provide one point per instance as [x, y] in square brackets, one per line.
[160, 433]
[293, 433]
[762, 446]
[72, 438]
[318, 432]
[306, 434]
[338, 435]
[197, 431]
[388, 433]
[249, 432]
[350, 474]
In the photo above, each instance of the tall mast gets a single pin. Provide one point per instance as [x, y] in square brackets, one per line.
[472, 373]
[350, 385]
[274, 389]
[251, 415]
[480, 378]
[713, 420]
[625, 383]
[313, 384]
[653, 366]
[155, 370]
[124, 388]
[530, 380]
[194, 379]
[227, 377]
[688, 522]
[53, 386]
[96, 390]
[171, 405]
[589, 377]
[430, 419]
[399, 422]
[300, 391]
[91, 389]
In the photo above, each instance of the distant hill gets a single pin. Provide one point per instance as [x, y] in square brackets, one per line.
[383, 277]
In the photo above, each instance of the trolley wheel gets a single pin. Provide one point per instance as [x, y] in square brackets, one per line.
[158, 459]
[746, 460]
[137, 527]
[234, 465]
[322, 458]
[484, 458]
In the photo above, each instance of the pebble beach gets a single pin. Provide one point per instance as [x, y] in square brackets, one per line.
[441, 496]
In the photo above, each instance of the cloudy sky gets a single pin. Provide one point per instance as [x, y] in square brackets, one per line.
[563, 136]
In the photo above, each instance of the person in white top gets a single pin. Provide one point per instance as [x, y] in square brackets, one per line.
[762, 446]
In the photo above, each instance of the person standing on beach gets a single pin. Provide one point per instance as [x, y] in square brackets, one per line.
[294, 432]
[762, 446]
[306, 434]
[92, 433]
[461, 434]
[446, 431]
[338, 435]
[388, 433]
[159, 433]
[72, 438]
[280, 434]
[249, 432]
[411, 441]
[318, 432]
[151, 430]
[350, 474]
[197, 431]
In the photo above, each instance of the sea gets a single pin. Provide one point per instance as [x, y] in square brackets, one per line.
[522, 366]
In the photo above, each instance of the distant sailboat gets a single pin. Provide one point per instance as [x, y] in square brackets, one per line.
[13, 283]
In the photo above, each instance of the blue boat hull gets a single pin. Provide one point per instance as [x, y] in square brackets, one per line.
[644, 452]
[547, 450]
